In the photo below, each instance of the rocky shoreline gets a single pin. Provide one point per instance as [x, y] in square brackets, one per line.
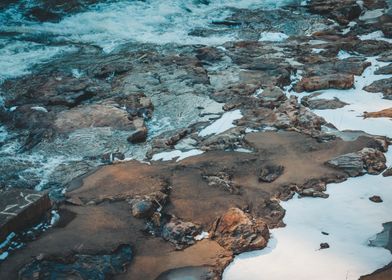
[91, 127]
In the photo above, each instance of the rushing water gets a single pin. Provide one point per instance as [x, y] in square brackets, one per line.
[25, 42]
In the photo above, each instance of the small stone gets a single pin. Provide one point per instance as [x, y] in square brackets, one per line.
[142, 209]
[387, 172]
[270, 173]
[375, 199]
[324, 233]
[324, 246]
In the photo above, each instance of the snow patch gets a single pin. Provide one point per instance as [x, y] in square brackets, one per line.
[222, 124]
[272, 37]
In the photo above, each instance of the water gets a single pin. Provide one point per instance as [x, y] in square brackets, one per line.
[110, 24]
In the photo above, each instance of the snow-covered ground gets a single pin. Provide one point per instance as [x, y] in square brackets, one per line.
[347, 220]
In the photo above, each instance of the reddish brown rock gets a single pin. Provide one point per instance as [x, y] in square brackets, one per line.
[333, 81]
[386, 113]
[240, 232]
[343, 11]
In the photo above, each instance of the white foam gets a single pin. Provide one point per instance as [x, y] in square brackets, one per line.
[16, 58]
[222, 124]
[153, 21]
[273, 37]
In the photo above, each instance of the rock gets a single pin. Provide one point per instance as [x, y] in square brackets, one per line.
[229, 139]
[376, 199]
[323, 104]
[386, 113]
[272, 96]
[270, 173]
[375, 4]
[92, 116]
[386, 70]
[222, 181]
[387, 172]
[332, 81]
[384, 86]
[324, 246]
[180, 233]
[386, 28]
[20, 209]
[343, 11]
[354, 164]
[138, 136]
[314, 188]
[374, 160]
[371, 47]
[351, 163]
[239, 232]
[78, 266]
[142, 209]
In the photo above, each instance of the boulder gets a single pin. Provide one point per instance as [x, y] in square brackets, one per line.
[374, 160]
[386, 113]
[323, 104]
[386, 70]
[367, 160]
[351, 163]
[331, 81]
[384, 86]
[180, 233]
[342, 11]
[239, 232]
[20, 209]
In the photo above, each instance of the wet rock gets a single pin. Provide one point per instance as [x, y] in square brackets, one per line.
[376, 199]
[139, 136]
[142, 209]
[270, 173]
[375, 4]
[145, 206]
[79, 266]
[386, 70]
[140, 133]
[324, 246]
[384, 86]
[21, 209]
[332, 81]
[386, 113]
[386, 28]
[239, 232]
[387, 172]
[343, 11]
[323, 104]
[180, 233]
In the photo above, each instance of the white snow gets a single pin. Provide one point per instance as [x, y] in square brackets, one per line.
[350, 116]
[272, 37]
[376, 35]
[349, 217]
[201, 236]
[343, 55]
[222, 124]
[180, 155]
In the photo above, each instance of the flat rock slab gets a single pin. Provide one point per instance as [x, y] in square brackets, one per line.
[20, 209]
